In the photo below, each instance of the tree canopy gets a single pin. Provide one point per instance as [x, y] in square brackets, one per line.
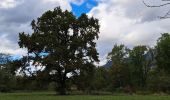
[62, 43]
[163, 52]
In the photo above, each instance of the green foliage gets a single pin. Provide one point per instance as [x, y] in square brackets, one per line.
[119, 72]
[139, 65]
[101, 80]
[62, 43]
[163, 53]
[158, 81]
[7, 80]
[84, 79]
[118, 54]
[130, 68]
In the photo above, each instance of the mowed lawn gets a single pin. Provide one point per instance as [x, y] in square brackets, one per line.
[51, 96]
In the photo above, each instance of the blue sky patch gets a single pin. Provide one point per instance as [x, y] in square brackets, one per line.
[83, 8]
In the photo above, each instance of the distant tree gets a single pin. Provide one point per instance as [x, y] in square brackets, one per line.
[119, 70]
[140, 64]
[118, 54]
[7, 80]
[102, 79]
[84, 78]
[163, 53]
[62, 43]
[158, 81]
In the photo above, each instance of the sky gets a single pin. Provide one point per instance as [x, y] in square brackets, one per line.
[127, 22]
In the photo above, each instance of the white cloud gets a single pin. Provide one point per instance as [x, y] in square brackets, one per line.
[129, 22]
[9, 3]
[77, 2]
[7, 46]
[16, 16]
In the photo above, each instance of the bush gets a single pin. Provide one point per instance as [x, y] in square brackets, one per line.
[52, 86]
[159, 83]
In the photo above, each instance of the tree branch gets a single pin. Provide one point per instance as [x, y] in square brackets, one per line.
[161, 5]
[165, 4]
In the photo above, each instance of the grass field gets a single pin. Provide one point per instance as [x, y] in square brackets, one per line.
[51, 96]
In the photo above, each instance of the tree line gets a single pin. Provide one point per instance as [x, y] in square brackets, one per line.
[62, 48]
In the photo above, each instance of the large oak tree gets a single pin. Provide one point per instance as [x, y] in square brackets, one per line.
[62, 43]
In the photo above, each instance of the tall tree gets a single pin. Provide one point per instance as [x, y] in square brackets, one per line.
[62, 43]
[102, 79]
[119, 69]
[6, 77]
[163, 53]
[140, 64]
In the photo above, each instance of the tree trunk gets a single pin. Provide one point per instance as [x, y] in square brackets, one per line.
[62, 88]
[61, 85]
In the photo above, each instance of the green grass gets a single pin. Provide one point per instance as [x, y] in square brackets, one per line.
[52, 96]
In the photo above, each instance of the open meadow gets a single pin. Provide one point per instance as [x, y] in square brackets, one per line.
[52, 96]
